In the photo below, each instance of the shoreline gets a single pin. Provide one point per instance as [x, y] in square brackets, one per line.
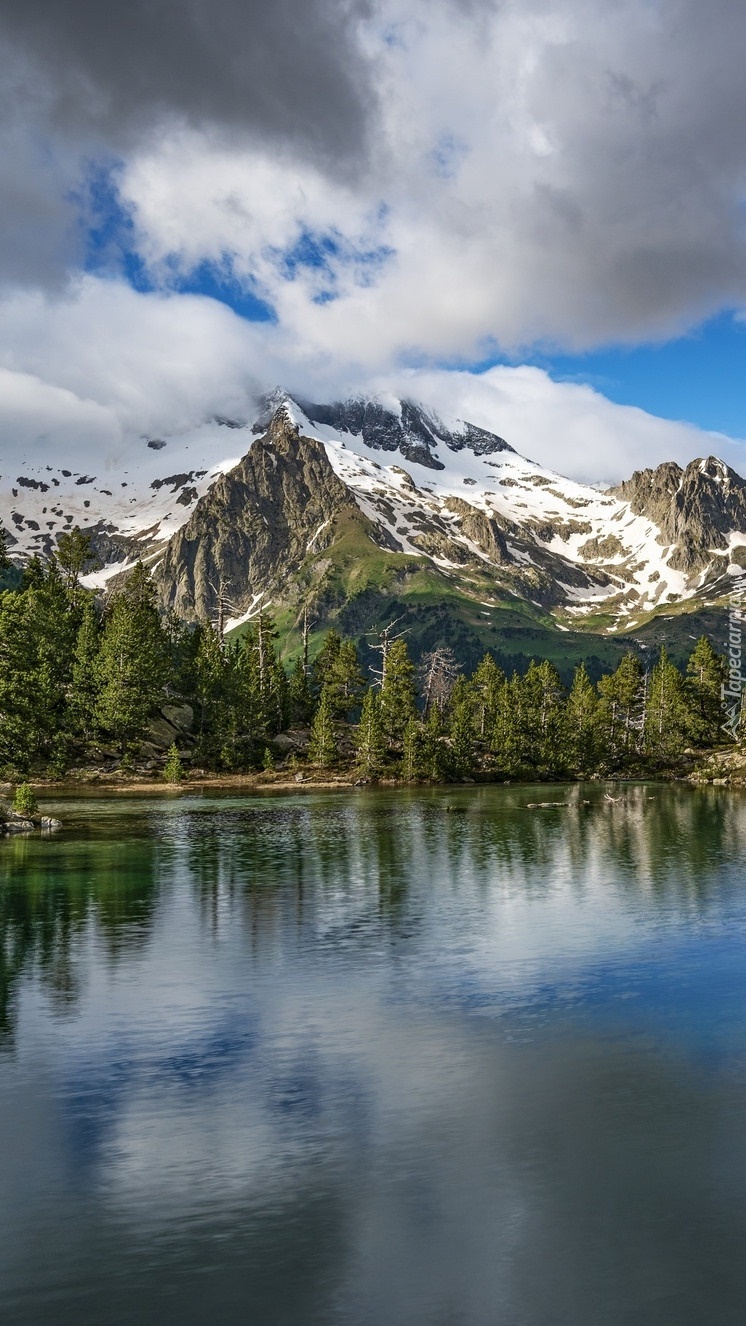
[258, 784]
[710, 771]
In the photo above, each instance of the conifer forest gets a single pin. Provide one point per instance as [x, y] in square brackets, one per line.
[79, 678]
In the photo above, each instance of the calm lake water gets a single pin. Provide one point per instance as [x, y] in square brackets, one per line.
[392, 1059]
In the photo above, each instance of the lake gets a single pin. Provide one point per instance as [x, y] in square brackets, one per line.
[393, 1058]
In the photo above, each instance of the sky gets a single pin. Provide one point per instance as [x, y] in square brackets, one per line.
[528, 210]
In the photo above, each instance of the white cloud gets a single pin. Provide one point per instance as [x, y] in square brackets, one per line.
[106, 365]
[566, 426]
[569, 173]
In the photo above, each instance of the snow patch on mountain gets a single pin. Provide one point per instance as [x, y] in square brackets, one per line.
[418, 477]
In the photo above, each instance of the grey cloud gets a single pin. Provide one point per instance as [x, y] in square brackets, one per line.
[290, 68]
[82, 79]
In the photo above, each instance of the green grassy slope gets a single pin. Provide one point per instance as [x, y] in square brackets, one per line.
[358, 588]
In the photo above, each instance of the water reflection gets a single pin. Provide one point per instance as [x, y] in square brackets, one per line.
[50, 893]
[341, 871]
[397, 1059]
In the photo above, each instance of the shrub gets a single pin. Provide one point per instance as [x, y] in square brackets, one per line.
[24, 801]
[174, 769]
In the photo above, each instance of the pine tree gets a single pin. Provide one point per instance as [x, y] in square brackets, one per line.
[370, 742]
[435, 752]
[300, 700]
[705, 677]
[83, 695]
[73, 551]
[323, 748]
[213, 693]
[506, 736]
[539, 719]
[580, 737]
[324, 661]
[397, 692]
[345, 681]
[486, 686]
[621, 711]
[668, 717]
[461, 730]
[173, 771]
[37, 634]
[132, 662]
[263, 676]
[414, 760]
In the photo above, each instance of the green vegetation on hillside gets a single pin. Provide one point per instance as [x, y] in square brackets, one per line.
[81, 683]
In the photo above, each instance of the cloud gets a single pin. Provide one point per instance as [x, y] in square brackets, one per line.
[290, 70]
[84, 81]
[567, 175]
[93, 371]
[566, 426]
[400, 184]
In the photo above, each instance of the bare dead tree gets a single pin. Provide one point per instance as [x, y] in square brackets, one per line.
[306, 632]
[438, 671]
[224, 606]
[384, 641]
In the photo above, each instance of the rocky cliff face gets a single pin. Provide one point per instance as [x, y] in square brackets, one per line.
[324, 501]
[413, 432]
[696, 509]
[255, 526]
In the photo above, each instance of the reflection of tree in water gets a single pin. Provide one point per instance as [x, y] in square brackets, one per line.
[352, 871]
[51, 893]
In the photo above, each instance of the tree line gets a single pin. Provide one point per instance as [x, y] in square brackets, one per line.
[78, 677]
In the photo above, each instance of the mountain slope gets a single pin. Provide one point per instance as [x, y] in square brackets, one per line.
[360, 508]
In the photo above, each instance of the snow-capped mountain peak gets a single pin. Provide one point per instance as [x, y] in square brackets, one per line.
[432, 488]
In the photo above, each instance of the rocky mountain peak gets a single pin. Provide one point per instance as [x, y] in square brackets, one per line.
[404, 426]
[256, 524]
[696, 508]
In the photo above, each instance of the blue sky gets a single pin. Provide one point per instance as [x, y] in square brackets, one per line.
[700, 377]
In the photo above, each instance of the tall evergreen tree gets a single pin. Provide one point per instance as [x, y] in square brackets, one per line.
[435, 752]
[539, 718]
[580, 738]
[705, 677]
[132, 662]
[345, 681]
[621, 711]
[414, 761]
[370, 743]
[487, 683]
[398, 692]
[215, 693]
[300, 699]
[324, 661]
[73, 552]
[668, 717]
[264, 674]
[323, 747]
[37, 634]
[83, 694]
[461, 732]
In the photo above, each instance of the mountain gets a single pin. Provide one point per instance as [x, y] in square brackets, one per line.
[366, 509]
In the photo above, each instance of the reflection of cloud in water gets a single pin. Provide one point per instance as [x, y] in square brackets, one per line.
[375, 1062]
